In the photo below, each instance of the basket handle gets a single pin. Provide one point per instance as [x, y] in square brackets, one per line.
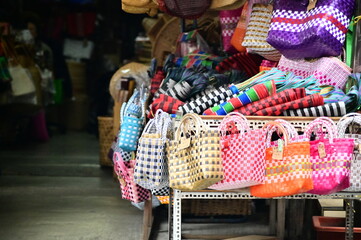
[269, 125]
[234, 122]
[342, 125]
[121, 165]
[331, 129]
[185, 123]
[288, 126]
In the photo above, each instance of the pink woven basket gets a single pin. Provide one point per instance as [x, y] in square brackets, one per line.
[130, 190]
[328, 70]
[331, 159]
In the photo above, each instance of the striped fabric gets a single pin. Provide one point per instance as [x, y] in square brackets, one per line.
[328, 110]
[254, 94]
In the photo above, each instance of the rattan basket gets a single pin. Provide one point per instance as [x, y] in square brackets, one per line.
[106, 137]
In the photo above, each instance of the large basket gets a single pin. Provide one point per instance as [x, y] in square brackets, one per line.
[106, 137]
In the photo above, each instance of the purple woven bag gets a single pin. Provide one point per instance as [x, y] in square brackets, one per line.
[319, 32]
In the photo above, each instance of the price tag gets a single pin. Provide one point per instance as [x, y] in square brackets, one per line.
[276, 154]
[359, 147]
[321, 150]
[185, 142]
[311, 4]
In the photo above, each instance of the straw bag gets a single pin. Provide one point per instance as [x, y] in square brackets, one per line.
[328, 70]
[194, 156]
[257, 30]
[22, 82]
[243, 153]
[331, 158]
[130, 190]
[132, 121]
[345, 122]
[288, 167]
[151, 169]
[299, 30]
[240, 30]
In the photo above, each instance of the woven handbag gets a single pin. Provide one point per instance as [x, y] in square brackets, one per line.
[151, 169]
[130, 190]
[187, 9]
[288, 167]
[299, 32]
[243, 153]
[228, 20]
[345, 122]
[194, 156]
[132, 117]
[328, 70]
[257, 30]
[331, 158]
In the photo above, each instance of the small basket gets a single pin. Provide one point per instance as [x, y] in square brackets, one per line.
[106, 137]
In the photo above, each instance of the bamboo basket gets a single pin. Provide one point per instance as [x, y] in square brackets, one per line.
[106, 137]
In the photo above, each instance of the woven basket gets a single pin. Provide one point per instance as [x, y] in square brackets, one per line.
[106, 137]
[214, 207]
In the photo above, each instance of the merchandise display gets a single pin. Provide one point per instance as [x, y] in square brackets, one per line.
[279, 63]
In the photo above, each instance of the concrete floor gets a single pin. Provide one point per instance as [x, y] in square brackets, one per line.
[56, 190]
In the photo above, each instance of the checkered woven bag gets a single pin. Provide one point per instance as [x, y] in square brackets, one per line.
[229, 20]
[130, 190]
[299, 30]
[288, 167]
[194, 156]
[165, 103]
[345, 122]
[328, 70]
[337, 109]
[132, 117]
[243, 153]
[151, 169]
[209, 100]
[161, 192]
[257, 31]
[331, 158]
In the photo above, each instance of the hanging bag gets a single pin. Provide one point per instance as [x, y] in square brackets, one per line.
[194, 156]
[288, 167]
[310, 28]
[151, 169]
[132, 121]
[130, 190]
[257, 30]
[228, 20]
[331, 158]
[347, 122]
[243, 153]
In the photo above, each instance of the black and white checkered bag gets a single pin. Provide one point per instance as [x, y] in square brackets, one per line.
[151, 169]
[209, 100]
[126, 156]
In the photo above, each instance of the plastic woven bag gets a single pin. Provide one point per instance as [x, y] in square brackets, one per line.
[331, 158]
[257, 30]
[130, 190]
[348, 121]
[194, 156]
[288, 167]
[151, 169]
[299, 30]
[243, 153]
[132, 116]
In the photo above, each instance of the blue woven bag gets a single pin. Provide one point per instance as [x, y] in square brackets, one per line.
[132, 116]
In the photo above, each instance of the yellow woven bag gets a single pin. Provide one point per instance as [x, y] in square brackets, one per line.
[194, 156]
